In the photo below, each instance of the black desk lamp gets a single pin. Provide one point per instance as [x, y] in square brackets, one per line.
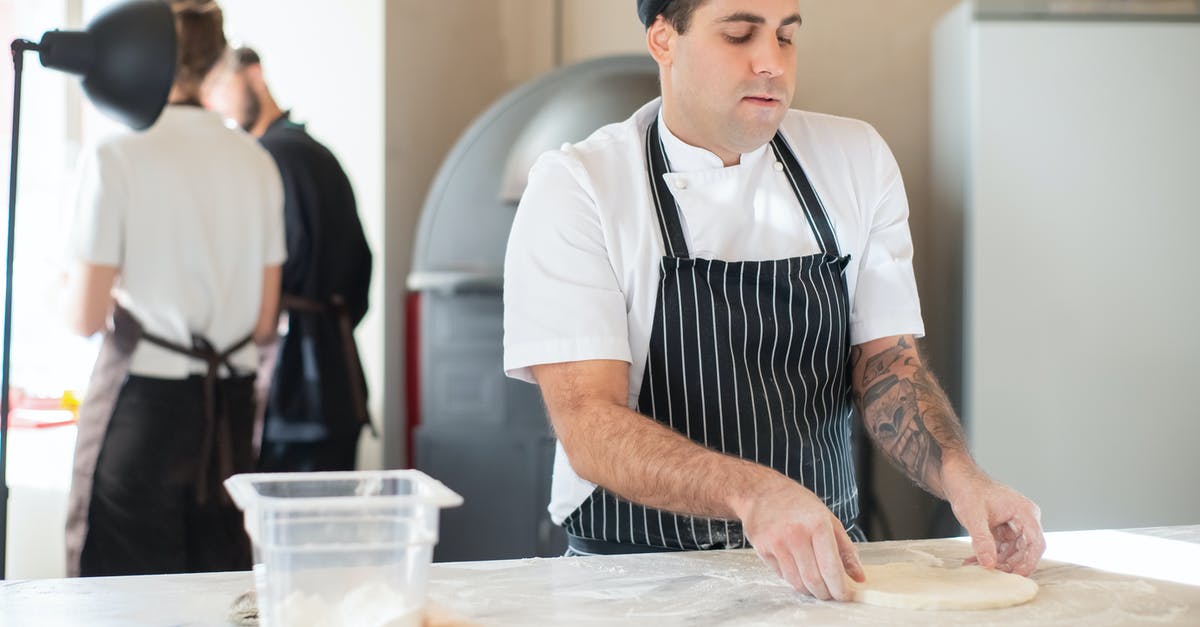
[126, 63]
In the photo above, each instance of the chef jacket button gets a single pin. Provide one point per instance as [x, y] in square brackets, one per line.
[779, 166]
[681, 183]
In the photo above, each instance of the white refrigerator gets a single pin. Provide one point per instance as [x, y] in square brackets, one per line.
[1066, 158]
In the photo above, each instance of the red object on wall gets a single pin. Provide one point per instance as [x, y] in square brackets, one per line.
[412, 375]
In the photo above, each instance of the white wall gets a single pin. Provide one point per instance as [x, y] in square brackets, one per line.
[1083, 294]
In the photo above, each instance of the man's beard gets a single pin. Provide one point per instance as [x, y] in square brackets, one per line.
[251, 110]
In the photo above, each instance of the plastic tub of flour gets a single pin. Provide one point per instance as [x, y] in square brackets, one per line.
[341, 549]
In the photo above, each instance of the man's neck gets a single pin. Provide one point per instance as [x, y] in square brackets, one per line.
[183, 96]
[267, 116]
[675, 122]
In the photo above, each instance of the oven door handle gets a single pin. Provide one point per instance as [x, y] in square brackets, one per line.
[456, 282]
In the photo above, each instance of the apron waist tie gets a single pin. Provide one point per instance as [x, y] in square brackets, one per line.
[217, 440]
[337, 306]
[588, 546]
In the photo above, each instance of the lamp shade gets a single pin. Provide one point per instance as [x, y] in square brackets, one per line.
[125, 59]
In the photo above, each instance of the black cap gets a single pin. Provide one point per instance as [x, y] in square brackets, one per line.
[648, 10]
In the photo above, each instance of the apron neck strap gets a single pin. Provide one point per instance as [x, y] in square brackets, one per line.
[814, 209]
[667, 210]
[658, 166]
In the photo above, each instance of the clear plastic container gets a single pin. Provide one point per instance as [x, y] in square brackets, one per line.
[341, 549]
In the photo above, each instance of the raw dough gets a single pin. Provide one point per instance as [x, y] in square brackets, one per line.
[923, 587]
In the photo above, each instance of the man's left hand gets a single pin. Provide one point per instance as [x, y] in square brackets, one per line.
[1005, 527]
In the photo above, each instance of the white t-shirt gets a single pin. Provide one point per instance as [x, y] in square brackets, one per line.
[582, 268]
[191, 212]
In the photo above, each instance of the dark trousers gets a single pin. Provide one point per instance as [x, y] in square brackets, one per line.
[144, 517]
[336, 453]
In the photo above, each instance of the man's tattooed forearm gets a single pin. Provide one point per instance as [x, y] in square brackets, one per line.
[892, 414]
[908, 414]
[938, 415]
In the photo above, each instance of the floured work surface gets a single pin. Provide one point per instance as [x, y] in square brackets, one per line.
[735, 588]
[718, 588]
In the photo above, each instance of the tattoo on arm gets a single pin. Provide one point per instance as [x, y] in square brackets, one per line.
[895, 421]
[906, 412]
[881, 364]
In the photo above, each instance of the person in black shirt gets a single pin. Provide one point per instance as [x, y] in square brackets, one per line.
[313, 392]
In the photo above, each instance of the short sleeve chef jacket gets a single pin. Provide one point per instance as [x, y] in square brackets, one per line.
[582, 267]
[191, 212]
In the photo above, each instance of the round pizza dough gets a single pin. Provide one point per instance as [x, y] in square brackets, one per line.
[911, 586]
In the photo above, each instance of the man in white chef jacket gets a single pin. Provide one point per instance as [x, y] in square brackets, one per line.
[705, 291]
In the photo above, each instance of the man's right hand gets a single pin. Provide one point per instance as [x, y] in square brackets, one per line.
[797, 536]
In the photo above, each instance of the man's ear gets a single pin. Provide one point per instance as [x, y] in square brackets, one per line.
[661, 38]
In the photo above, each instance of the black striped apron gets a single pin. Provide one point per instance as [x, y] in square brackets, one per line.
[746, 358]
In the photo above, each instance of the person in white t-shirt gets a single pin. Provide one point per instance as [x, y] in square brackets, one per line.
[705, 291]
[177, 241]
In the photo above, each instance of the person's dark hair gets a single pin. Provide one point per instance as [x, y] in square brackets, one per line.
[679, 13]
[199, 26]
[244, 57]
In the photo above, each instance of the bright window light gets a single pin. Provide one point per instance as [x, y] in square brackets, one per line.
[1126, 553]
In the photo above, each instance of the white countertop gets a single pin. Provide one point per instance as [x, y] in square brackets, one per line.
[1096, 578]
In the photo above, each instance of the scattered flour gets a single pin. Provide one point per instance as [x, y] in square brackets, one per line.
[369, 605]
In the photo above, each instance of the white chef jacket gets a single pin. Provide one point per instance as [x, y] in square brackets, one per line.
[191, 212]
[581, 272]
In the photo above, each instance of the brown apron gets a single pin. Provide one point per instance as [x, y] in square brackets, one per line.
[96, 411]
[337, 307]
